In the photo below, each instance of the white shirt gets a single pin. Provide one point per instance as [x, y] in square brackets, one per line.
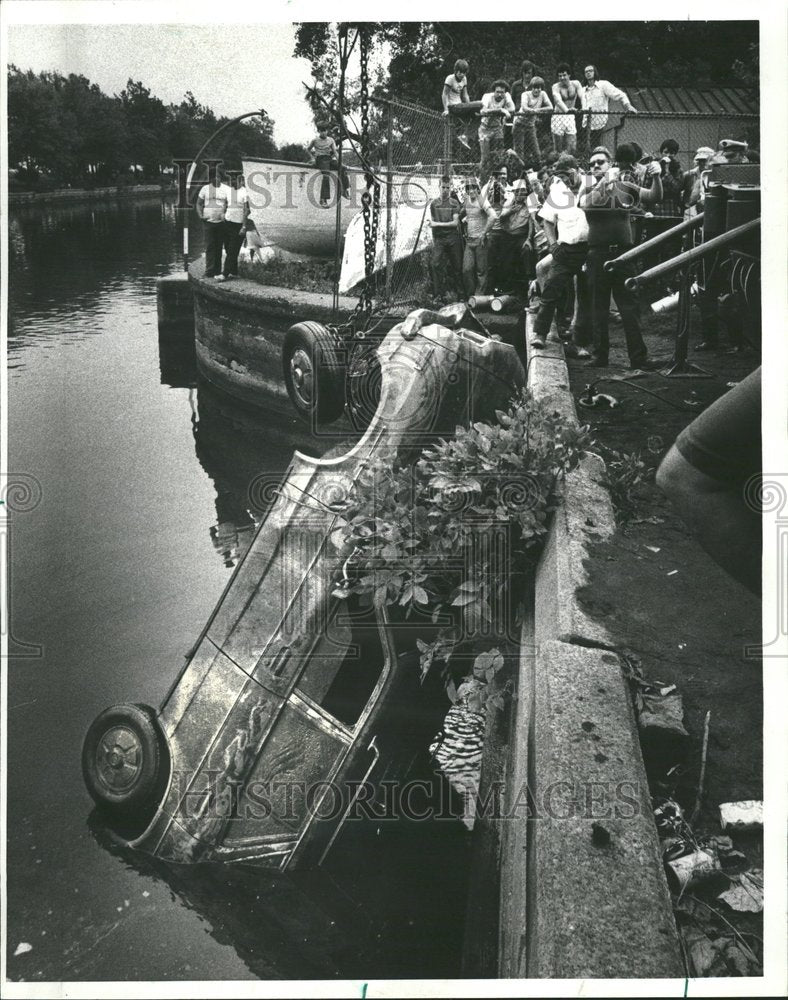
[456, 88]
[561, 209]
[597, 97]
[239, 197]
[215, 201]
[494, 123]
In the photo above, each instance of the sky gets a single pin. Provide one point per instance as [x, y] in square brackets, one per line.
[231, 68]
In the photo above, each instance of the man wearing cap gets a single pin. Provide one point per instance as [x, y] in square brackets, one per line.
[692, 192]
[608, 205]
[479, 218]
[566, 229]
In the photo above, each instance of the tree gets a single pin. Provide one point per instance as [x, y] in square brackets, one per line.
[294, 152]
[146, 122]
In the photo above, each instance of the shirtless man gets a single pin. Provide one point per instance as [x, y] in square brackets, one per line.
[566, 96]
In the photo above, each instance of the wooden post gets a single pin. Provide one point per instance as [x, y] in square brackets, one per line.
[389, 200]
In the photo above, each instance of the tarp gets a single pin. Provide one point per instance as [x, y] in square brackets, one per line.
[410, 230]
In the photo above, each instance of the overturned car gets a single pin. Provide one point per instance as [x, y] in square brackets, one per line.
[294, 700]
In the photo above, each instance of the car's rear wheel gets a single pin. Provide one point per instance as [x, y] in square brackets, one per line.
[125, 762]
[314, 371]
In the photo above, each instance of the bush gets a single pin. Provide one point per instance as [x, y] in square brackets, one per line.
[451, 533]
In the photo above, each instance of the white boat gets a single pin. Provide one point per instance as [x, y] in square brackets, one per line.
[285, 201]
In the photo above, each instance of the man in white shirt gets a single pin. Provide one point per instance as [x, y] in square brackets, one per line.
[497, 107]
[566, 229]
[235, 216]
[595, 97]
[212, 202]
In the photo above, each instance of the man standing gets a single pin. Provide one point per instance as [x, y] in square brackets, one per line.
[608, 204]
[479, 218]
[446, 243]
[566, 229]
[497, 107]
[692, 187]
[595, 97]
[496, 193]
[513, 264]
[211, 206]
[566, 95]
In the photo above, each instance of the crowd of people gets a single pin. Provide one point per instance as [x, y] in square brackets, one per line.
[538, 224]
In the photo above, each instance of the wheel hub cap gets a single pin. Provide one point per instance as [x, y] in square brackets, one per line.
[119, 758]
[303, 375]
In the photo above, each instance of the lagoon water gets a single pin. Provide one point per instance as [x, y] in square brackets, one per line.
[144, 478]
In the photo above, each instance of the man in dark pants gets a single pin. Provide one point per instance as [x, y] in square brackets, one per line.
[512, 259]
[211, 206]
[566, 230]
[446, 241]
[608, 205]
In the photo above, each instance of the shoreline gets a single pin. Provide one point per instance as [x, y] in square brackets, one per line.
[16, 198]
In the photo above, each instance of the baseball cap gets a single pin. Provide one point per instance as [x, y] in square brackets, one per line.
[603, 150]
[704, 152]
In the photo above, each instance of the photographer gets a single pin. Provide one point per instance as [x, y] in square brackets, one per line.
[672, 177]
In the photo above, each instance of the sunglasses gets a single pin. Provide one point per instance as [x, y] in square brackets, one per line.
[597, 163]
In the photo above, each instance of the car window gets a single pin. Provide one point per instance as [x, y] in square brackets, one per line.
[345, 665]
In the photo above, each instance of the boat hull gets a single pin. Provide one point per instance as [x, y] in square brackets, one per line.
[285, 202]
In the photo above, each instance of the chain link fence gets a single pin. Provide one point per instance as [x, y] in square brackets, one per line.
[412, 147]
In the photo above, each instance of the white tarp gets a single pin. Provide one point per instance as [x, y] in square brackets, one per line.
[406, 221]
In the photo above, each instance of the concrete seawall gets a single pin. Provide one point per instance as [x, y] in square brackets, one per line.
[16, 198]
[583, 892]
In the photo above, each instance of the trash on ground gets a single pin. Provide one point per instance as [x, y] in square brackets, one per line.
[693, 869]
[741, 816]
[746, 893]
[673, 572]
[662, 710]
[669, 818]
[600, 399]
[23, 948]
[653, 548]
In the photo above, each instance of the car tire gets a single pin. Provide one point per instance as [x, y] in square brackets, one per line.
[125, 761]
[314, 371]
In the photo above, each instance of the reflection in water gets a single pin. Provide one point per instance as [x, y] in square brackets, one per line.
[177, 356]
[136, 458]
[241, 448]
[362, 915]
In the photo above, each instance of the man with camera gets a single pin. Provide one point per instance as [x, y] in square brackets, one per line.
[608, 201]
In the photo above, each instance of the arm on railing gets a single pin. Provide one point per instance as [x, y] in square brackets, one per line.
[655, 242]
[690, 256]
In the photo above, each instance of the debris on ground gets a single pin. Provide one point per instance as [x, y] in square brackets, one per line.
[745, 815]
[746, 894]
[23, 948]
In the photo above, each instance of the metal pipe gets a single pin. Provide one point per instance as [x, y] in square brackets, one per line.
[690, 256]
[654, 242]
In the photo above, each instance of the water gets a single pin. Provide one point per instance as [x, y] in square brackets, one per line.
[144, 475]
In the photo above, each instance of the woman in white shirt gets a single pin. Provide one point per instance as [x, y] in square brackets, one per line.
[235, 217]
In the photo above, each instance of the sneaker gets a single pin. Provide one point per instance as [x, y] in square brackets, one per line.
[219, 277]
[537, 340]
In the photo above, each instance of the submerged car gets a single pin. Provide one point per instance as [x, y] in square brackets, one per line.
[294, 700]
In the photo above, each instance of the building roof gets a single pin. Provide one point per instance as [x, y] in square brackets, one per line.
[688, 100]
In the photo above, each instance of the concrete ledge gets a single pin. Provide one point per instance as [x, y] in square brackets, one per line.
[602, 906]
[174, 299]
[583, 889]
[83, 194]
